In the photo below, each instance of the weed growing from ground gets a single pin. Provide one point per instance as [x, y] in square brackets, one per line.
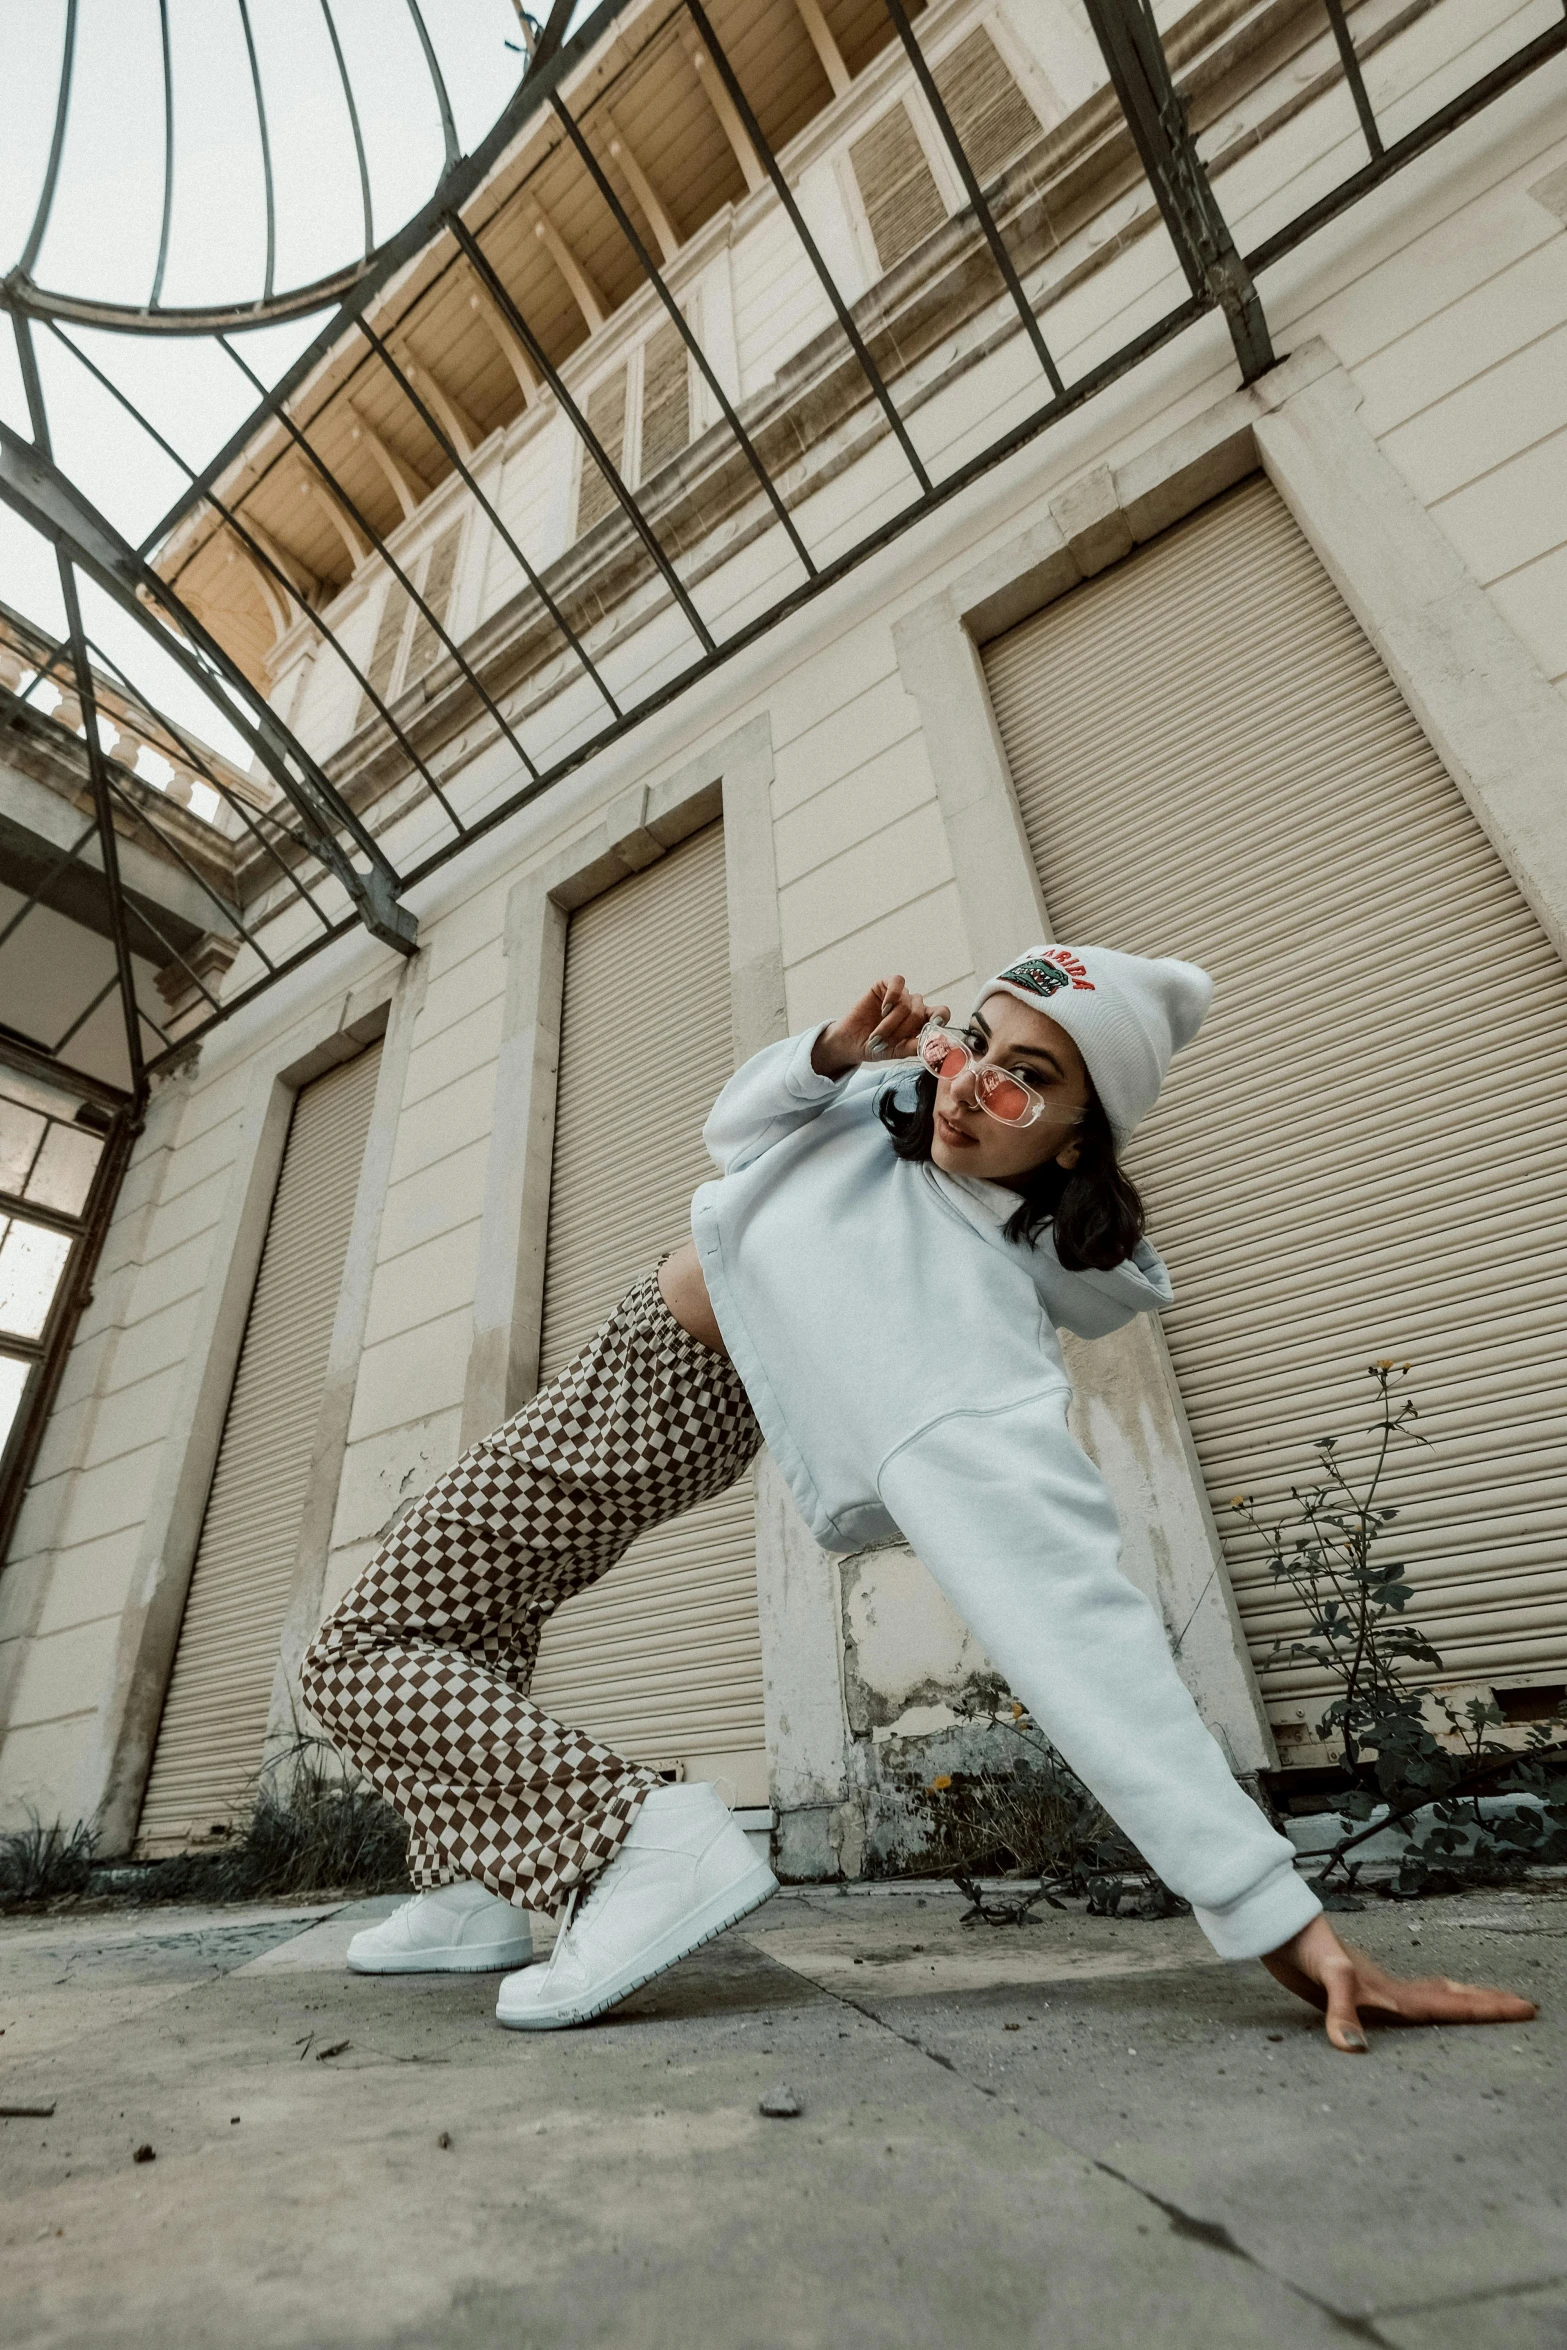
[1329, 1548]
[41, 1864]
[1033, 1819]
[307, 1830]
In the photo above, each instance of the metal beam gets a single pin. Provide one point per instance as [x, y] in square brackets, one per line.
[681, 323]
[34, 488]
[501, 296]
[975, 194]
[286, 569]
[489, 509]
[1156, 116]
[796, 218]
[358, 282]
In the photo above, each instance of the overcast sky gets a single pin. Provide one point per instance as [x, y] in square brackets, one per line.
[104, 227]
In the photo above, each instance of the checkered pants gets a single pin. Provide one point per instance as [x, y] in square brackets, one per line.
[421, 1675]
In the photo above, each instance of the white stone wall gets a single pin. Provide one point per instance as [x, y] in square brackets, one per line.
[1443, 297]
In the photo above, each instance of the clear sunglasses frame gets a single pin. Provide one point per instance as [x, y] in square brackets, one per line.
[936, 1045]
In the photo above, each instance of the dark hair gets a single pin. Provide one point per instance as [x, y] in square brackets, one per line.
[1093, 1209]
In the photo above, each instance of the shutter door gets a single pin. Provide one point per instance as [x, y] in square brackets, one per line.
[215, 1715]
[662, 1659]
[1212, 761]
[383, 655]
[666, 400]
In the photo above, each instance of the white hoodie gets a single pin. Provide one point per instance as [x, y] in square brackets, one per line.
[902, 1358]
[819, 1226]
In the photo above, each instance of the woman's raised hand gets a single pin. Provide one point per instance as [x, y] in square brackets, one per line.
[882, 1026]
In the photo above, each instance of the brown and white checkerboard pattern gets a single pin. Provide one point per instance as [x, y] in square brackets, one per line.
[421, 1675]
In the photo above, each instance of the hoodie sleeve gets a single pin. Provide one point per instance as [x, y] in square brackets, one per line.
[1091, 1304]
[775, 1093]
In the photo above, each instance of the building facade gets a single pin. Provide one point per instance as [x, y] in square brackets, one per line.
[1270, 674]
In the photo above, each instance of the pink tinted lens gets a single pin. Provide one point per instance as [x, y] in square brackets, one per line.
[1004, 1097]
[945, 1056]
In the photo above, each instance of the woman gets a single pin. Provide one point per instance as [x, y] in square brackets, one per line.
[874, 1288]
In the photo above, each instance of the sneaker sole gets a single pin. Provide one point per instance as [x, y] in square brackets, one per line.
[442, 1962]
[714, 1918]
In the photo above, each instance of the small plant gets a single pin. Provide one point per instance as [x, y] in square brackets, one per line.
[1035, 1819]
[41, 1864]
[307, 1830]
[1329, 1550]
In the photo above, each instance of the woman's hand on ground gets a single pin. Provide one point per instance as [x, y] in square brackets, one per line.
[1346, 1986]
[882, 1026]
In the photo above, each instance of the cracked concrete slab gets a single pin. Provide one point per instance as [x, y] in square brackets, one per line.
[982, 2157]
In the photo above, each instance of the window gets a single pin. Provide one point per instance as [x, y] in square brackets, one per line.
[902, 201]
[388, 672]
[605, 410]
[666, 399]
[49, 1153]
[654, 386]
[989, 112]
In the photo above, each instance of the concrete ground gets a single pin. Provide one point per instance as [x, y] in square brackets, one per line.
[1083, 2132]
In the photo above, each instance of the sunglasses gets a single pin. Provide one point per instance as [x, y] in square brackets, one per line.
[1001, 1094]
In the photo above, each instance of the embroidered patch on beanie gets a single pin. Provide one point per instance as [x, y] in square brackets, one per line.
[1046, 970]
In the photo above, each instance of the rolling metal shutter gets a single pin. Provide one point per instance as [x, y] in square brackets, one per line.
[215, 1715]
[1365, 1153]
[662, 1659]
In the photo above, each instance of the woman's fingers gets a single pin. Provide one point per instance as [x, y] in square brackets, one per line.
[1437, 1999]
[890, 1017]
[1341, 1983]
[1348, 1985]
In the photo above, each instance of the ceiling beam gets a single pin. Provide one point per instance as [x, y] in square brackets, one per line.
[463, 432]
[265, 585]
[825, 46]
[584, 292]
[642, 188]
[408, 486]
[500, 334]
[724, 107]
[307, 584]
[314, 490]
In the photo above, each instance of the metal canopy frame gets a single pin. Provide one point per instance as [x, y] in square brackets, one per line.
[314, 843]
[311, 840]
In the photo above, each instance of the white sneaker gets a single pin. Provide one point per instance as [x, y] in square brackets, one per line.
[456, 1930]
[684, 1872]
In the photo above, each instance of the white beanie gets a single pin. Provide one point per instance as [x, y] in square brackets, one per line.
[1128, 1016]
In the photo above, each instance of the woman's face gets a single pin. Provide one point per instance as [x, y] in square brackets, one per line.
[1031, 1046]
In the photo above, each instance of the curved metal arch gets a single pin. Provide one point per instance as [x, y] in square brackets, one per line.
[33, 487]
[357, 282]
